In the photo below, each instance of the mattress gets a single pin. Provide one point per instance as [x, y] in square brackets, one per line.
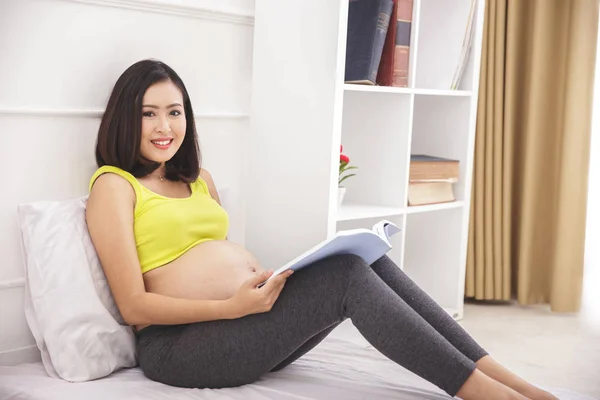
[338, 368]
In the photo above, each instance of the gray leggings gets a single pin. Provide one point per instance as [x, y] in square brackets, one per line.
[387, 308]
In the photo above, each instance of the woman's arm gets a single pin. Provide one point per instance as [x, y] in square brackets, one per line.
[109, 217]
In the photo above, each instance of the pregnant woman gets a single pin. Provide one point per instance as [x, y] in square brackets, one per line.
[192, 296]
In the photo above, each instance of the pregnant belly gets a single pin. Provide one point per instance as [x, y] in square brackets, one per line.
[212, 270]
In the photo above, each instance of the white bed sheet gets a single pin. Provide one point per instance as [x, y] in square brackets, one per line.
[336, 369]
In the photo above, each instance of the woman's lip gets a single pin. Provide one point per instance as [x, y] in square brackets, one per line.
[162, 146]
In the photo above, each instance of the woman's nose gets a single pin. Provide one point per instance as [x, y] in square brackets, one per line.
[162, 125]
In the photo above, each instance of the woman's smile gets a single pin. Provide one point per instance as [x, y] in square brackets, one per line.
[162, 144]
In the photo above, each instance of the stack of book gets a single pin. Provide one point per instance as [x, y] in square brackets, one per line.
[431, 179]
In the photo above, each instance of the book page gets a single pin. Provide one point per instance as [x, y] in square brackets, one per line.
[361, 242]
[385, 230]
[369, 244]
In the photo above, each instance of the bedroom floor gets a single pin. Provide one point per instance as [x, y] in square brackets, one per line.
[548, 349]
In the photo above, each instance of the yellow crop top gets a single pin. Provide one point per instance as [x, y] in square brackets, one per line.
[165, 227]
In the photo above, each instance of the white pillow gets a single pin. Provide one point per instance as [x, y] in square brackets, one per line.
[68, 303]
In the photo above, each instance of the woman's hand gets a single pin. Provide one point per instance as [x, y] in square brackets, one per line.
[250, 299]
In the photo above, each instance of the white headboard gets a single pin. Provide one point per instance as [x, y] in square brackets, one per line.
[59, 60]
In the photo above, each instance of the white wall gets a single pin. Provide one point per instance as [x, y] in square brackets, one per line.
[58, 62]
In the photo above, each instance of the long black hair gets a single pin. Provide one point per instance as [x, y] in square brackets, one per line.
[119, 135]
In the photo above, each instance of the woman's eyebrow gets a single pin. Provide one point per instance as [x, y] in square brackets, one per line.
[157, 107]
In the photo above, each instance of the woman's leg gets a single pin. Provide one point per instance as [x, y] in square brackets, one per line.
[305, 348]
[427, 308]
[415, 297]
[235, 352]
[494, 370]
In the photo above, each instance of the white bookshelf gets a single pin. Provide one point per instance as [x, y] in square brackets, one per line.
[302, 110]
[401, 90]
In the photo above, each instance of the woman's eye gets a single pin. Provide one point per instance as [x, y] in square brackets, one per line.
[175, 113]
[148, 114]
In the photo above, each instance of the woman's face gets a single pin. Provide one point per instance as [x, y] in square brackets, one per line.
[163, 122]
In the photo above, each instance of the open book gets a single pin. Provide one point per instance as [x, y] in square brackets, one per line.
[370, 244]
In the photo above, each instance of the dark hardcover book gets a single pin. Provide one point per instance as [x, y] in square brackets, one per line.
[385, 74]
[368, 22]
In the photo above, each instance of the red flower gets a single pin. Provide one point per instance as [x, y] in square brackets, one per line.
[344, 167]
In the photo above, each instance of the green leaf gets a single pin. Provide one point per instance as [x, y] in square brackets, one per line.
[346, 168]
[345, 177]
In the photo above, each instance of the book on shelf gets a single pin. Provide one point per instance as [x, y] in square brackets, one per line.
[431, 179]
[369, 244]
[425, 167]
[385, 74]
[368, 22]
[433, 192]
[402, 48]
[466, 47]
[394, 65]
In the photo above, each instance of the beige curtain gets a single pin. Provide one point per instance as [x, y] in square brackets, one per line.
[527, 229]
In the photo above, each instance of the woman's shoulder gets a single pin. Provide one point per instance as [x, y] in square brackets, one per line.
[203, 181]
[111, 178]
[111, 187]
[109, 173]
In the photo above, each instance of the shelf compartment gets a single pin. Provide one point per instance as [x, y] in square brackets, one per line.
[350, 87]
[442, 128]
[375, 135]
[355, 211]
[434, 207]
[433, 253]
[439, 40]
[442, 92]
[401, 90]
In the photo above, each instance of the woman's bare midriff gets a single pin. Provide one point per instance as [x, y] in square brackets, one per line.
[212, 270]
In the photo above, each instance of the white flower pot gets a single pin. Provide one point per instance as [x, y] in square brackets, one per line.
[341, 194]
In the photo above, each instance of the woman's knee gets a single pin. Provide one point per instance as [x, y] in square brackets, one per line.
[348, 265]
[331, 275]
[352, 261]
